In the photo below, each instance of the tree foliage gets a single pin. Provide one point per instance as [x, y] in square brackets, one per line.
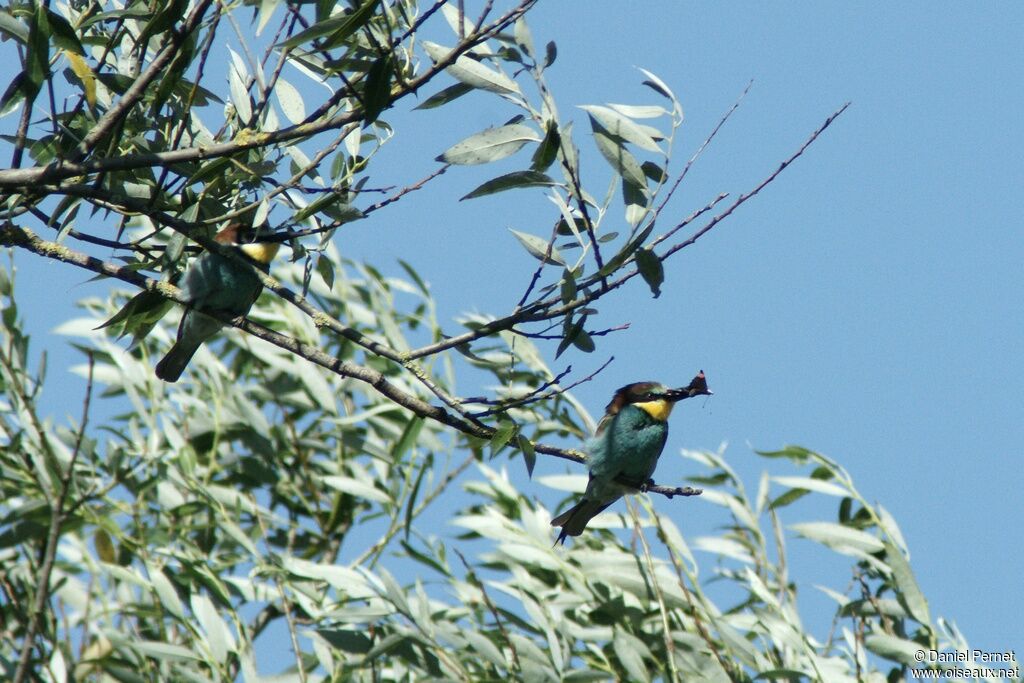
[283, 500]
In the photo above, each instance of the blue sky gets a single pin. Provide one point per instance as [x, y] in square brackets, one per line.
[866, 305]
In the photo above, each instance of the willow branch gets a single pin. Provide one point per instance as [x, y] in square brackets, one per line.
[552, 307]
[541, 393]
[14, 236]
[60, 170]
[138, 89]
[744, 197]
[58, 514]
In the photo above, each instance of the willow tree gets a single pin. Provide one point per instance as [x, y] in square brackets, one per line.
[279, 500]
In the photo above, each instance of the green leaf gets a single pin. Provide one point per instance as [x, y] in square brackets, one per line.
[622, 127]
[569, 331]
[547, 150]
[651, 269]
[425, 559]
[845, 508]
[317, 30]
[145, 308]
[325, 268]
[584, 342]
[511, 181]
[654, 171]
[10, 26]
[529, 454]
[788, 497]
[331, 204]
[157, 650]
[337, 29]
[523, 38]
[578, 337]
[812, 484]
[502, 435]
[239, 94]
[420, 283]
[452, 92]
[550, 54]
[63, 35]
[410, 505]
[539, 248]
[14, 94]
[377, 94]
[627, 250]
[472, 72]
[356, 487]
[489, 145]
[630, 650]
[658, 85]
[165, 591]
[483, 645]
[164, 19]
[218, 637]
[892, 648]
[324, 8]
[176, 242]
[624, 163]
[408, 438]
[776, 674]
[105, 549]
[839, 537]
[639, 111]
[267, 8]
[136, 11]
[290, 100]
[907, 590]
[797, 454]
[568, 287]
[37, 58]
[352, 641]
[636, 199]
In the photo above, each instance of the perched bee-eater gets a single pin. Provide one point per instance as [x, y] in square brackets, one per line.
[624, 450]
[217, 283]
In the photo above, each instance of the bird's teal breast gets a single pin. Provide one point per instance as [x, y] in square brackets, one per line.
[629, 446]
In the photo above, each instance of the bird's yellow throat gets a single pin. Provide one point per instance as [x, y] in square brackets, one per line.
[261, 252]
[659, 409]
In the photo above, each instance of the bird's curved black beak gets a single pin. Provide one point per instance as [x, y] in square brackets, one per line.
[698, 386]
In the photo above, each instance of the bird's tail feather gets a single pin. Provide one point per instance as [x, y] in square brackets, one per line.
[171, 366]
[574, 520]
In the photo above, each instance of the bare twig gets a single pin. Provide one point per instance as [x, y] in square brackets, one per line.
[539, 394]
[666, 627]
[57, 517]
[695, 612]
[700, 150]
[553, 307]
[744, 197]
[596, 333]
[475, 580]
[286, 602]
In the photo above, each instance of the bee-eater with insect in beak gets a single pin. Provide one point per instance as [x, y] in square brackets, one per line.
[220, 284]
[624, 450]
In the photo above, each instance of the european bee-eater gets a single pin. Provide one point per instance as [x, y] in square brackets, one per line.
[625, 448]
[217, 283]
